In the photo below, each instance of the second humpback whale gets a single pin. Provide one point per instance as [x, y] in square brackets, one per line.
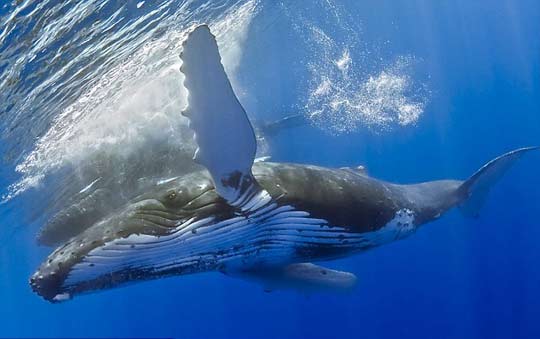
[261, 221]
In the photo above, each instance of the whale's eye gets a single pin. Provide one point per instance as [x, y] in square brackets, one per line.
[171, 196]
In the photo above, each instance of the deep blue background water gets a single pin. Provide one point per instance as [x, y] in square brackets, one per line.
[455, 278]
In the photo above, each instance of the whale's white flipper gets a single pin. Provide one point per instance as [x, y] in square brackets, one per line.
[303, 277]
[225, 138]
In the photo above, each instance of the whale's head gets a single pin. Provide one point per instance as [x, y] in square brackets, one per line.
[155, 235]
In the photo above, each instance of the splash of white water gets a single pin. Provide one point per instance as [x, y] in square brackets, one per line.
[340, 99]
[343, 95]
[135, 102]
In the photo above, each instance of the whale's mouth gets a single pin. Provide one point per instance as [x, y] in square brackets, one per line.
[147, 240]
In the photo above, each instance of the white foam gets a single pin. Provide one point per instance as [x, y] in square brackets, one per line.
[341, 100]
[137, 101]
[343, 93]
[344, 62]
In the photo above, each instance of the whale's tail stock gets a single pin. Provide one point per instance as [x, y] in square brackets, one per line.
[474, 191]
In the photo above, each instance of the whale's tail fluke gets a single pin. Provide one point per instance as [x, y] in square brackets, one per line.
[474, 190]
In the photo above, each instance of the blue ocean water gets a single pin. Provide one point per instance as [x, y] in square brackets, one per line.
[413, 90]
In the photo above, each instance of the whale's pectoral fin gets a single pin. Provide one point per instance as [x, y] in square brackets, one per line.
[275, 127]
[225, 138]
[474, 190]
[302, 277]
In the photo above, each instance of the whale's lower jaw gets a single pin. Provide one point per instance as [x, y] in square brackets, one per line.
[65, 291]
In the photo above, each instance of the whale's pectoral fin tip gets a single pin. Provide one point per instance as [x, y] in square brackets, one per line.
[474, 191]
[225, 138]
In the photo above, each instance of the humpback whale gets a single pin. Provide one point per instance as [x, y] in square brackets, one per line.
[263, 221]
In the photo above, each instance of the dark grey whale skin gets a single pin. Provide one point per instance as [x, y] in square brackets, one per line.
[344, 197]
[351, 199]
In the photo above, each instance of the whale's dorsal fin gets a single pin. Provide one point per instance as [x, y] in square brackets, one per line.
[225, 138]
[357, 170]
